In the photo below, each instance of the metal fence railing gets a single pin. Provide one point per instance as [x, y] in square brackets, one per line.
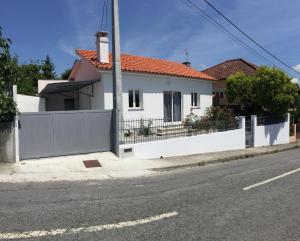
[144, 130]
[270, 120]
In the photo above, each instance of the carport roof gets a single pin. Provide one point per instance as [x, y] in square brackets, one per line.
[66, 86]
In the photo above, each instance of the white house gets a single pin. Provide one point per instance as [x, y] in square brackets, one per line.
[152, 88]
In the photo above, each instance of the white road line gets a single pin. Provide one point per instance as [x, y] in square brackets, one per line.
[55, 232]
[271, 179]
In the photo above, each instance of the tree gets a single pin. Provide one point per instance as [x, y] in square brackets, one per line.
[65, 75]
[27, 76]
[7, 106]
[268, 91]
[240, 91]
[48, 69]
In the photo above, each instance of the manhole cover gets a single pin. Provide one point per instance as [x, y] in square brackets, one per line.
[91, 163]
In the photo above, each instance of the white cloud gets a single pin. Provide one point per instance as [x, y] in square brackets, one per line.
[66, 48]
[295, 81]
[297, 67]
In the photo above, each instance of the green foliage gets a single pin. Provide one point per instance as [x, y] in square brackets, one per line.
[268, 91]
[48, 69]
[7, 106]
[218, 114]
[26, 76]
[215, 118]
[5, 59]
[65, 75]
[145, 130]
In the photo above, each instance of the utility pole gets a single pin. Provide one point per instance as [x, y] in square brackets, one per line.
[117, 77]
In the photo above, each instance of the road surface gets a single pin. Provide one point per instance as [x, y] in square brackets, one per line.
[251, 199]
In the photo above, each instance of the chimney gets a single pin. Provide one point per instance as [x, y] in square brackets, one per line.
[187, 63]
[102, 47]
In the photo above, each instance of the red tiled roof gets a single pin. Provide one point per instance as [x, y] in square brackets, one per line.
[224, 70]
[147, 65]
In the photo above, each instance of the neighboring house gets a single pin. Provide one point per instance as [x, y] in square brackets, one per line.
[222, 71]
[152, 88]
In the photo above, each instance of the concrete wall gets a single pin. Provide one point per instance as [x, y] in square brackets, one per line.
[271, 134]
[214, 142]
[7, 147]
[152, 87]
[26, 103]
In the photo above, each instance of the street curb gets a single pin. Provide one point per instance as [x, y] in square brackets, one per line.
[223, 160]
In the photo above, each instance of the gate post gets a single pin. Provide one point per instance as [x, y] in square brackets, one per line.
[16, 129]
[253, 126]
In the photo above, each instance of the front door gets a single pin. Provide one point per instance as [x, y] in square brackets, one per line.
[172, 106]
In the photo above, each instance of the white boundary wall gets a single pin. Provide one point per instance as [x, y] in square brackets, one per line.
[271, 134]
[213, 142]
[26, 103]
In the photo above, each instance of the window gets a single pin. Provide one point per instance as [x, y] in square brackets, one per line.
[194, 100]
[134, 99]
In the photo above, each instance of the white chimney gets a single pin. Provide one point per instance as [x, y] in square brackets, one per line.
[102, 47]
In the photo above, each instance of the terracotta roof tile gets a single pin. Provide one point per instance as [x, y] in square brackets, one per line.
[224, 70]
[147, 65]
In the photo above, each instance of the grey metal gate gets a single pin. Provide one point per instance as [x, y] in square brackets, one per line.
[46, 134]
[249, 133]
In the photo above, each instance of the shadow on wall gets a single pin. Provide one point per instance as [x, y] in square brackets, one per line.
[6, 142]
[278, 132]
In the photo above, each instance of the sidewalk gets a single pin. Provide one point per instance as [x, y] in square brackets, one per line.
[71, 168]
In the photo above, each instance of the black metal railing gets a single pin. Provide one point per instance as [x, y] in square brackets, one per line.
[144, 130]
[270, 120]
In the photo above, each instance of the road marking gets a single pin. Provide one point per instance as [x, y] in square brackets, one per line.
[55, 232]
[271, 179]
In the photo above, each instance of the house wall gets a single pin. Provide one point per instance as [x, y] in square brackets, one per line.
[87, 72]
[152, 87]
[92, 97]
[214, 142]
[26, 103]
[271, 134]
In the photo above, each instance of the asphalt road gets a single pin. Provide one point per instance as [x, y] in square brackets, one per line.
[205, 203]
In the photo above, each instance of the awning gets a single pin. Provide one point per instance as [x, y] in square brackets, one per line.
[54, 88]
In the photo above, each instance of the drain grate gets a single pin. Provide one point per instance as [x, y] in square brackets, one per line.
[92, 163]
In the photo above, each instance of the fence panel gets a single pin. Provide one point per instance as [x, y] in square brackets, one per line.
[46, 134]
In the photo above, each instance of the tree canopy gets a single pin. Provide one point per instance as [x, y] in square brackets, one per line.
[268, 91]
[7, 106]
[48, 69]
[65, 75]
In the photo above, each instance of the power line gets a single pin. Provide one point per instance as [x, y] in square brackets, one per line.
[250, 38]
[106, 14]
[104, 7]
[227, 32]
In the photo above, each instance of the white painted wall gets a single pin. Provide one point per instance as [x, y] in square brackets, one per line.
[86, 71]
[271, 134]
[152, 87]
[214, 142]
[26, 103]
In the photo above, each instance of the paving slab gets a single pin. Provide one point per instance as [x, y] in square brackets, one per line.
[72, 168]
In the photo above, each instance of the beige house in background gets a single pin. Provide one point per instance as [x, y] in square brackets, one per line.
[222, 71]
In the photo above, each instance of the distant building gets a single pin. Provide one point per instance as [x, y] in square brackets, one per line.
[222, 71]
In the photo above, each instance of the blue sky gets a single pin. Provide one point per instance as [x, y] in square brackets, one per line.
[153, 28]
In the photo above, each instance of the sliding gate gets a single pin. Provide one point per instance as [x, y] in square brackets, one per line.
[46, 134]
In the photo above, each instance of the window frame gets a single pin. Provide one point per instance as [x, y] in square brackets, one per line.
[193, 95]
[140, 94]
